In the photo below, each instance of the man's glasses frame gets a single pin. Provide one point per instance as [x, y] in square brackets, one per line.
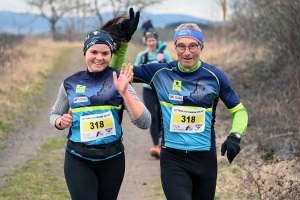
[192, 48]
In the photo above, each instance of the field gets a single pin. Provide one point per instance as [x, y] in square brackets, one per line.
[23, 86]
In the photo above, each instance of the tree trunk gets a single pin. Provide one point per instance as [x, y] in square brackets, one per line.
[224, 8]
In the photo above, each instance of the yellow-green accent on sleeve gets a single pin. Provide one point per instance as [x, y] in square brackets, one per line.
[240, 119]
[117, 60]
[236, 108]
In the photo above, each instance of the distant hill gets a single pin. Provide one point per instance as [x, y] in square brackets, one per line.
[162, 20]
[19, 23]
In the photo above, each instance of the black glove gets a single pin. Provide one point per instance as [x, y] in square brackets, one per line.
[129, 26]
[232, 146]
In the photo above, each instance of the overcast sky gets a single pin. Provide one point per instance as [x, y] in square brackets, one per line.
[207, 9]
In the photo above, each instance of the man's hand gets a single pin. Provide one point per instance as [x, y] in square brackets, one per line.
[129, 26]
[232, 146]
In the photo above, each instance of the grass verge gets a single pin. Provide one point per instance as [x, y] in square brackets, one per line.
[41, 178]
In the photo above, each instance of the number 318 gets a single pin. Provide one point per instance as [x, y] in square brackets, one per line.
[97, 125]
[188, 118]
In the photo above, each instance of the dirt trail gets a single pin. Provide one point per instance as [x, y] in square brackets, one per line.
[142, 171]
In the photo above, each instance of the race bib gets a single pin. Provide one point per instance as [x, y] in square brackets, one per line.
[187, 119]
[96, 126]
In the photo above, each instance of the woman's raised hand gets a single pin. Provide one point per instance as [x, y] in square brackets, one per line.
[125, 76]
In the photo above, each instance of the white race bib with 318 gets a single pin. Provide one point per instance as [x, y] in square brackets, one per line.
[96, 126]
[187, 119]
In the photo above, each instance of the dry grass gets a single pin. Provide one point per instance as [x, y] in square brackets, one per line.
[256, 179]
[39, 55]
[234, 181]
[228, 51]
[132, 51]
[22, 78]
[224, 53]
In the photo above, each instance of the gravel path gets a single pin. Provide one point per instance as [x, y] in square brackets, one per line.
[142, 171]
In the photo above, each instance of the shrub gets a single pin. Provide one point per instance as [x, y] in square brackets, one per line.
[274, 88]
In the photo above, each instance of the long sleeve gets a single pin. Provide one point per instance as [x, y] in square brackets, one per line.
[240, 119]
[144, 121]
[61, 105]
[117, 60]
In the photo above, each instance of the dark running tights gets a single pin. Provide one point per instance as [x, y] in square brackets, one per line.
[90, 180]
[152, 104]
[188, 176]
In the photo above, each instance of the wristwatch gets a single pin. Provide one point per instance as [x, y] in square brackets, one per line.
[236, 135]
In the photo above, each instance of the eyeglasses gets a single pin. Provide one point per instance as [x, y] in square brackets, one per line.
[192, 48]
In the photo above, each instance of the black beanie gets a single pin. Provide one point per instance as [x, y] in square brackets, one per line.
[98, 37]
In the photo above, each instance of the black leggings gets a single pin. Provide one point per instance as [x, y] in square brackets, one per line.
[91, 180]
[188, 176]
[152, 104]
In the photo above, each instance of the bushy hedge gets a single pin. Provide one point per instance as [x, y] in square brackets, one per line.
[274, 83]
[7, 44]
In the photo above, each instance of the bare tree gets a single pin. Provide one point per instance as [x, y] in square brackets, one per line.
[223, 5]
[54, 10]
[83, 11]
[98, 11]
[121, 6]
[141, 5]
